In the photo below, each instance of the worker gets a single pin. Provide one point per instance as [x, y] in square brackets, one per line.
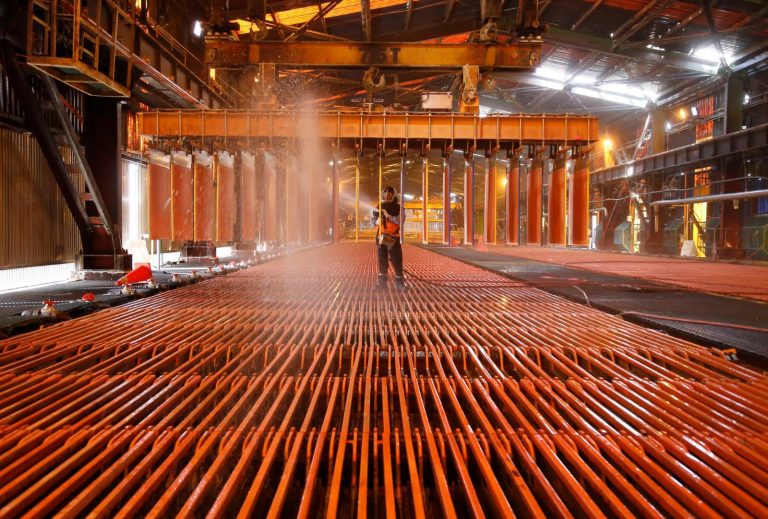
[388, 238]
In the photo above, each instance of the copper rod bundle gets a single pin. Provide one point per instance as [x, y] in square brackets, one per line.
[295, 389]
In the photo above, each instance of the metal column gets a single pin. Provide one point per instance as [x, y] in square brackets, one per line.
[425, 198]
[469, 201]
[403, 168]
[578, 204]
[335, 198]
[556, 204]
[447, 200]
[513, 201]
[489, 212]
[533, 202]
[357, 197]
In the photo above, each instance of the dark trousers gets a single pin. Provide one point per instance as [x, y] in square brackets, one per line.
[395, 256]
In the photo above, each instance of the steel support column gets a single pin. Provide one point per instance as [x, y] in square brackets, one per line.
[447, 200]
[270, 197]
[247, 199]
[403, 169]
[425, 198]
[556, 204]
[658, 131]
[292, 234]
[513, 201]
[734, 104]
[533, 204]
[357, 197]
[578, 204]
[335, 198]
[309, 197]
[489, 212]
[469, 201]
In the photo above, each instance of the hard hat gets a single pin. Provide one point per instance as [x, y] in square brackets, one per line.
[388, 194]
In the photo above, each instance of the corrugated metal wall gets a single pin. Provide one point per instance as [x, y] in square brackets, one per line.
[35, 225]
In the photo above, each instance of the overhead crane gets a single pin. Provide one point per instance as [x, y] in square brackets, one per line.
[221, 53]
[563, 133]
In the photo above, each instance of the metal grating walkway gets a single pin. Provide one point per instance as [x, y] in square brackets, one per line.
[293, 389]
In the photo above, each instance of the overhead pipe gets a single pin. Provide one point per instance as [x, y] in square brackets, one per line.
[758, 193]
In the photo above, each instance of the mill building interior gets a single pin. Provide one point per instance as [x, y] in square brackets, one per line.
[203, 310]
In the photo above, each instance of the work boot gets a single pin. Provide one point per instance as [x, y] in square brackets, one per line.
[400, 283]
[381, 284]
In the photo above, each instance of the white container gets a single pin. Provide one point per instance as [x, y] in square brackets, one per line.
[431, 101]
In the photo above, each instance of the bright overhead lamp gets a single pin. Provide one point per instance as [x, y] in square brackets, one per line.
[197, 29]
[694, 111]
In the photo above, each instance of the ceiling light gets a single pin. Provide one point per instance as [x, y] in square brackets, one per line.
[197, 29]
[694, 111]
[668, 126]
[682, 113]
[607, 144]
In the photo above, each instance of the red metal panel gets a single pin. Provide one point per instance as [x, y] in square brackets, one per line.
[159, 196]
[183, 196]
[533, 202]
[205, 198]
[556, 205]
[578, 204]
[249, 230]
[225, 198]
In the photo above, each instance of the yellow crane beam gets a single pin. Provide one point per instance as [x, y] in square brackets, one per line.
[539, 129]
[221, 53]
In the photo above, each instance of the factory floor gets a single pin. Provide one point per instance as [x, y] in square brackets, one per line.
[738, 279]
[712, 303]
[294, 388]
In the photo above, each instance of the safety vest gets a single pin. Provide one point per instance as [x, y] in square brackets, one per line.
[389, 227]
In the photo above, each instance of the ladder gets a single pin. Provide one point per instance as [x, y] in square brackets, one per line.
[73, 157]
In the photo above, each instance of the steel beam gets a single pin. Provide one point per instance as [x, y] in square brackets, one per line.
[638, 21]
[605, 46]
[222, 54]
[365, 15]
[210, 123]
[586, 15]
[724, 145]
